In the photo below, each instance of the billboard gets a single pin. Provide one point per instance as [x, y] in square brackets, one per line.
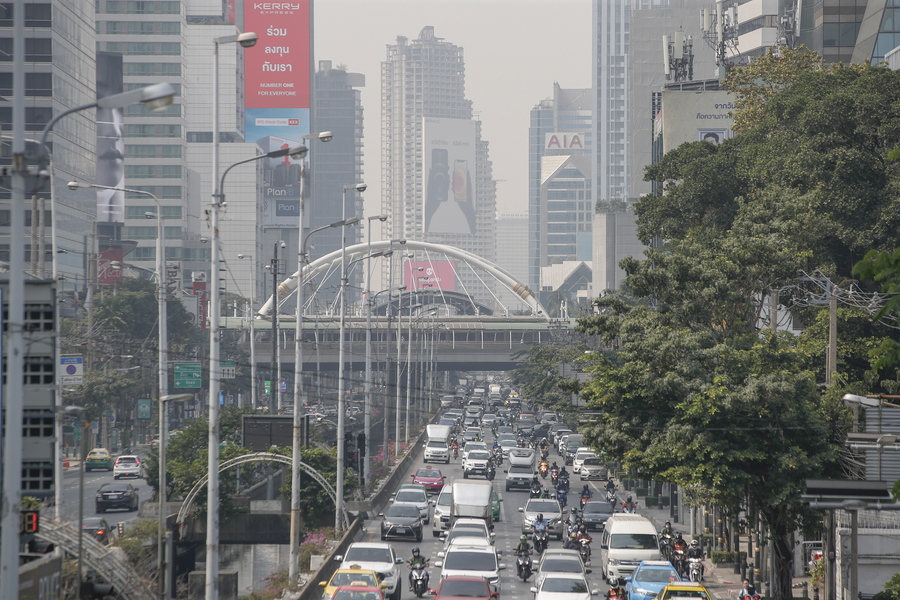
[277, 70]
[282, 185]
[694, 116]
[449, 150]
[430, 275]
[110, 141]
[565, 141]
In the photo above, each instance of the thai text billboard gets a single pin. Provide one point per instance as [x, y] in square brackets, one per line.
[429, 275]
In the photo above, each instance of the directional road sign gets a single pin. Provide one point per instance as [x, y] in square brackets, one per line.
[187, 375]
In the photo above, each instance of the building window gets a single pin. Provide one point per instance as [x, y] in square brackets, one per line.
[36, 84]
[38, 50]
[36, 15]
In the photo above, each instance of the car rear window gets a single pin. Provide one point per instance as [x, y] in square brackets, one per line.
[369, 555]
[633, 541]
[462, 560]
[657, 575]
[411, 496]
[403, 511]
[127, 459]
[561, 565]
[467, 589]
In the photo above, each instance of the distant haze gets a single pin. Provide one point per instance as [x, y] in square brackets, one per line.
[514, 50]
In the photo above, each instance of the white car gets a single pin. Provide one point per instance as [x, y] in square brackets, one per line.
[414, 495]
[128, 465]
[580, 455]
[468, 528]
[477, 560]
[473, 446]
[476, 463]
[557, 561]
[440, 517]
[562, 586]
[378, 557]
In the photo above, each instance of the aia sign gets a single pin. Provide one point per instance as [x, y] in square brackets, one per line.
[564, 141]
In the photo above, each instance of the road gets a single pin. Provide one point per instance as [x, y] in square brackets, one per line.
[507, 533]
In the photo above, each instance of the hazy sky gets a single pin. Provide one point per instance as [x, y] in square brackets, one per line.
[514, 50]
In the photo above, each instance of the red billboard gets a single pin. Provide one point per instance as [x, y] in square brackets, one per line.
[277, 69]
[430, 275]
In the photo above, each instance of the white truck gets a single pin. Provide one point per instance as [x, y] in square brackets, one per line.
[437, 448]
[494, 388]
[472, 499]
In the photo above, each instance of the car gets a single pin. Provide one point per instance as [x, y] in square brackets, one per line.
[154, 441]
[496, 499]
[684, 589]
[378, 557]
[567, 562]
[414, 495]
[470, 435]
[349, 576]
[358, 591]
[595, 513]
[476, 463]
[98, 458]
[649, 578]
[440, 516]
[116, 495]
[431, 479]
[506, 445]
[96, 528]
[468, 528]
[506, 428]
[488, 419]
[474, 445]
[562, 586]
[580, 455]
[403, 521]
[551, 511]
[128, 465]
[458, 587]
[594, 468]
[519, 477]
[476, 560]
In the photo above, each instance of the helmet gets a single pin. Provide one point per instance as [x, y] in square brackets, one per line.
[668, 524]
[677, 536]
[695, 544]
[628, 497]
[540, 517]
[615, 582]
[415, 551]
[523, 537]
[586, 487]
[573, 536]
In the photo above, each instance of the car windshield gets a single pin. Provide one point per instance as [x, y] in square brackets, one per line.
[444, 499]
[565, 585]
[113, 487]
[520, 469]
[428, 473]
[403, 511]
[479, 455]
[346, 578]
[584, 455]
[368, 554]
[656, 575]
[468, 589]
[551, 506]
[561, 565]
[461, 560]
[96, 454]
[127, 459]
[633, 541]
[410, 496]
[597, 508]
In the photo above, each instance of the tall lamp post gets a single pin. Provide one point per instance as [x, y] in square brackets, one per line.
[212, 510]
[339, 492]
[294, 567]
[254, 384]
[367, 410]
[156, 97]
[275, 363]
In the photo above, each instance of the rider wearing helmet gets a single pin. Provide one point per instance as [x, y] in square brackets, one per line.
[571, 542]
[417, 559]
[539, 523]
[610, 485]
[679, 543]
[523, 546]
[695, 551]
[615, 588]
[586, 492]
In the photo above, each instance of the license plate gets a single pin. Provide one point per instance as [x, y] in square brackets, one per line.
[113, 496]
[402, 530]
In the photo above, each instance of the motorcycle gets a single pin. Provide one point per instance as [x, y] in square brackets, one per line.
[543, 469]
[629, 507]
[695, 569]
[554, 476]
[665, 547]
[539, 539]
[546, 495]
[615, 594]
[611, 498]
[455, 452]
[679, 561]
[562, 497]
[420, 580]
[523, 565]
[585, 550]
[536, 492]
[564, 480]
[585, 500]
[491, 471]
[545, 452]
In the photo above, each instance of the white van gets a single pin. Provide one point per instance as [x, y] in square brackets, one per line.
[626, 540]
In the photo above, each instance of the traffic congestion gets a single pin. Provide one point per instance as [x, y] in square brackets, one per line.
[506, 501]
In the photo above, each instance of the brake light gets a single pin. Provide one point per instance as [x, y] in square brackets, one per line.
[101, 531]
[126, 494]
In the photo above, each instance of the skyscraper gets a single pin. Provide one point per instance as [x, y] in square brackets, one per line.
[437, 182]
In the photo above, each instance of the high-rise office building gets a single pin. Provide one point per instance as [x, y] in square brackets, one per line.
[437, 182]
[560, 126]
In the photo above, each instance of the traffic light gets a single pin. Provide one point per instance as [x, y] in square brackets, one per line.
[30, 522]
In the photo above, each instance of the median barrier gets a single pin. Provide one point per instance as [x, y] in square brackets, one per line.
[312, 590]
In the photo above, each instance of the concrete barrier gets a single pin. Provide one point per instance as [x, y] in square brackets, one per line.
[312, 590]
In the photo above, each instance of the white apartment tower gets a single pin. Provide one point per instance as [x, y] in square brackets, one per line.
[432, 190]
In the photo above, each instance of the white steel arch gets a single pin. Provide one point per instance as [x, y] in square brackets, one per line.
[289, 285]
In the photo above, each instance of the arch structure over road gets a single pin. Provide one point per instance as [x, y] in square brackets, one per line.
[257, 457]
[425, 252]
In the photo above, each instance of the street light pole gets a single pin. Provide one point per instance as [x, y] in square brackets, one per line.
[367, 410]
[275, 363]
[254, 399]
[339, 491]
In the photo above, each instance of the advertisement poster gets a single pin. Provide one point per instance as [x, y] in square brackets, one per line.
[430, 275]
[449, 150]
[276, 70]
[110, 141]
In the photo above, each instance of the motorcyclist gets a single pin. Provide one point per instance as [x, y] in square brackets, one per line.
[571, 542]
[616, 590]
[667, 530]
[523, 546]
[562, 495]
[610, 485]
[695, 551]
[679, 543]
[546, 494]
[416, 560]
[629, 503]
[586, 492]
[540, 524]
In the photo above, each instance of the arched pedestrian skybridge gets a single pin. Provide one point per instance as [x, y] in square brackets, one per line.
[478, 281]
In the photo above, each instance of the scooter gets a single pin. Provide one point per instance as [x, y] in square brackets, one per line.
[536, 492]
[419, 580]
[543, 469]
[455, 452]
[562, 497]
[585, 550]
[554, 477]
[539, 539]
[611, 497]
[523, 565]
[585, 500]
[695, 569]
[629, 507]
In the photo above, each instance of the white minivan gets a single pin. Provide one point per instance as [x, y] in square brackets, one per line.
[626, 540]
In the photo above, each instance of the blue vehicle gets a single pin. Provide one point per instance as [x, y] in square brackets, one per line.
[650, 577]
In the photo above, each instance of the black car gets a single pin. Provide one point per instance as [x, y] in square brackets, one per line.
[402, 520]
[96, 528]
[116, 495]
[595, 514]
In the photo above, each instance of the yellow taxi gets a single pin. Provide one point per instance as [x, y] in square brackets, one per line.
[354, 575]
[691, 590]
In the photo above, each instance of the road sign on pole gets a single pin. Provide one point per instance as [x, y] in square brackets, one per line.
[229, 368]
[71, 370]
[187, 375]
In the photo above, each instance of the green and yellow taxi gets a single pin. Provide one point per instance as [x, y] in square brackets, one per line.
[98, 458]
[353, 575]
[687, 590]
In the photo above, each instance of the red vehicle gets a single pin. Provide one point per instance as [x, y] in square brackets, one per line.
[431, 479]
[461, 587]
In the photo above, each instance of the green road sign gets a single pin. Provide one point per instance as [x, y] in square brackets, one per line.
[144, 408]
[268, 387]
[228, 369]
[187, 375]
[76, 433]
